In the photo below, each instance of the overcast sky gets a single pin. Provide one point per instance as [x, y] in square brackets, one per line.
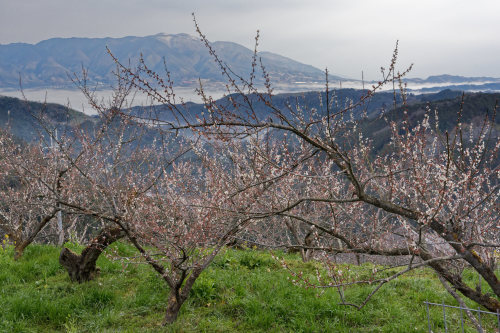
[459, 37]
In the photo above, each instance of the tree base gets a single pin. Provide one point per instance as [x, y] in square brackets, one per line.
[82, 268]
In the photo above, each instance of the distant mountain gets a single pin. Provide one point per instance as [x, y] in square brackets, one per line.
[446, 78]
[48, 63]
[469, 87]
[437, 83]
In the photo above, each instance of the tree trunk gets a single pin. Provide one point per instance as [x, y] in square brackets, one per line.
[471, 257]
[82, 268]
[22, 244]
[304, 253]
[20, 247]
[180, 291]
[175, 302]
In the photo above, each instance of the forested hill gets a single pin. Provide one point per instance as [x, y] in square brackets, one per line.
[476, 106]
[304, 102]
[29, 121]
[19, 117]
[17, 114]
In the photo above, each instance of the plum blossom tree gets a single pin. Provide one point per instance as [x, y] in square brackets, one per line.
[178, 200]
[429, 195]
[34, 178]
[437, 177]
[192, 213]
[29, 184]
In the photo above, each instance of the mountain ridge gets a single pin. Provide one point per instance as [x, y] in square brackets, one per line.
[48, 62]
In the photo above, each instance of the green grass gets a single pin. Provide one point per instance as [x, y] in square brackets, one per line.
[242, 291]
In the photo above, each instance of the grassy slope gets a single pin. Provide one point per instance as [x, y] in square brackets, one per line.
[242, 291]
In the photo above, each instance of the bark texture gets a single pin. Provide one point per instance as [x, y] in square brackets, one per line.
[173, 307]
[180, 291]
[82, 267]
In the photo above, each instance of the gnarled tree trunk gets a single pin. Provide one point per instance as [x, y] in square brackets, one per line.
[82, 268]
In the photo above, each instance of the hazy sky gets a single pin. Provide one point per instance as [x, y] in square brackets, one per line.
[460, 37]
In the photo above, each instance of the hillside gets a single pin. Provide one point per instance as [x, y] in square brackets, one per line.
[242, 291]
[17, 116]
[22, 119]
